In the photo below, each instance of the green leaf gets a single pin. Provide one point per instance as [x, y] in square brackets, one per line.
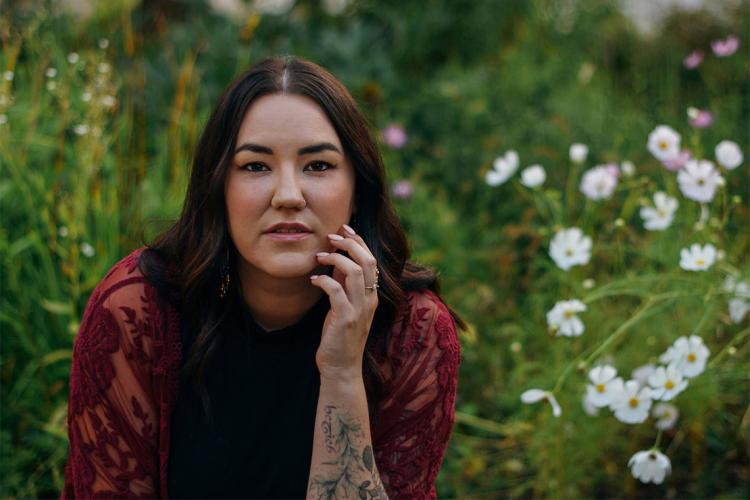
[54, 356]
[57, 307]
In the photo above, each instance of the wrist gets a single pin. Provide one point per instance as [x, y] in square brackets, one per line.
[342, 378]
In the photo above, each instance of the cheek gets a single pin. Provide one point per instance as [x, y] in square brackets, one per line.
[243, 206]
[334, 201]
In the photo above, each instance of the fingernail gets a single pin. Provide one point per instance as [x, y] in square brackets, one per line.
[336, 237]
[322, 254]
[349, 230]
[314, 276]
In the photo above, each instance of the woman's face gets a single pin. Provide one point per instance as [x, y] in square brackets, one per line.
[288, 166]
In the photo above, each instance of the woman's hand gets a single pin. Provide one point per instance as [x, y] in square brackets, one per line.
[347, 324]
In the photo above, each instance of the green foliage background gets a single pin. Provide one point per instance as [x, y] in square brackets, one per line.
[467, 80]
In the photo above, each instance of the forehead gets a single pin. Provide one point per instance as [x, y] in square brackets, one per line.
[286, 119]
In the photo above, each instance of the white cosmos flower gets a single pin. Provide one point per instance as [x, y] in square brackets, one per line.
[650, 466]
[50, 73]
[739, 304]
[698, 180]
[664, 143]
[578, 152]
[642, 373]
[87, 250]
[273, 7]
[563, 319]
[533, 176]
[630, 404]
[335, 7]
[570, 247]
[235, 9]
[697, 258]
[604, 385]
[738, 288]
[738, 309]
[728, 154]
[503, 168]
[81, 129]
[627, 168]
[599, 183]
[73, 57]
[535, 395]
[666, 415]
[666, 383]
[588, 406]
[659, 217]
[687, 354]
[108, 101]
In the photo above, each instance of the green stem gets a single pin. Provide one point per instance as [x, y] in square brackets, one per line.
[569, 190]
[658, 441]
[648, 305]
[736, 340]
[481, 423]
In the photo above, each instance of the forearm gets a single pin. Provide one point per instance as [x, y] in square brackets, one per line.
[343, 461]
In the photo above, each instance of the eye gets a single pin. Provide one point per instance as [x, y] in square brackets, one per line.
[319, 166]
[253, 166]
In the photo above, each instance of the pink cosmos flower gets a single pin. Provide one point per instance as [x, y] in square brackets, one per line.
[676, 163]
[613, 169]
[394, 136]
[402, 189]
[726, 47]
[700, 118]
[693, 59]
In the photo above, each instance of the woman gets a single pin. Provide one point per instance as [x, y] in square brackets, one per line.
[275, 341]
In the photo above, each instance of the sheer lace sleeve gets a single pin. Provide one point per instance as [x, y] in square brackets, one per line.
[416, 417]
[113, 409]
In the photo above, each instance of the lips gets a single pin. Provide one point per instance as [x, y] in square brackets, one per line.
[288, 228]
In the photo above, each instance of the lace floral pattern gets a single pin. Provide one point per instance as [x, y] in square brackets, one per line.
[124, 383]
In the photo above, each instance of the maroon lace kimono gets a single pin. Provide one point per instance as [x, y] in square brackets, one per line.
[124, 383]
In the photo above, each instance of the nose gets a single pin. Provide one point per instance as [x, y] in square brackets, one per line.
[287, 191]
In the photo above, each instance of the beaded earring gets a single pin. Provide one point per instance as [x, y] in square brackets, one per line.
[225, 278]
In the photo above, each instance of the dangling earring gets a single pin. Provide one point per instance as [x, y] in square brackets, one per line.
[225, 279]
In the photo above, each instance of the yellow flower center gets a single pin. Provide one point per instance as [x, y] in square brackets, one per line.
[700, 262]
[663, 145]
[569, 314]
[691, 357]
[633, 402]
[600, 387]
[669, 385]
[662, 213]
[568, 252]
[700, 182]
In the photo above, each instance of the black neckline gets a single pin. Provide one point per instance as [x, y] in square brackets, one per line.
[311, 321]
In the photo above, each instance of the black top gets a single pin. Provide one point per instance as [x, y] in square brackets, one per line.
[264, 389]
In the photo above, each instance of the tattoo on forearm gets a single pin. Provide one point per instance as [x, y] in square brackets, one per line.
[350, 463]
[328, 429]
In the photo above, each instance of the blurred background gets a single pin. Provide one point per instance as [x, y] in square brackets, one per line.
[101, 104]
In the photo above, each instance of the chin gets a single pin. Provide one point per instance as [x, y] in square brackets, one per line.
[291, 267]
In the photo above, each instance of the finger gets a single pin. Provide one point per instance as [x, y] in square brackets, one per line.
[337, 296]
[354, 274]
[350, 233]
[360, 254]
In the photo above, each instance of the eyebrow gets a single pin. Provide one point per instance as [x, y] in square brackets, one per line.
[315, 148]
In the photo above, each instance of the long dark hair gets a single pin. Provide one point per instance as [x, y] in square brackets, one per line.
[196, 245]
